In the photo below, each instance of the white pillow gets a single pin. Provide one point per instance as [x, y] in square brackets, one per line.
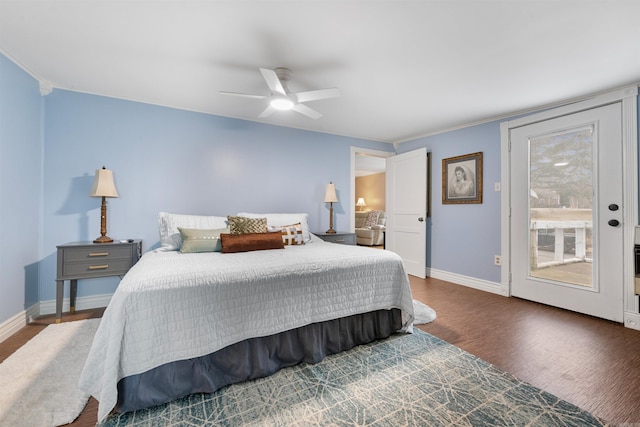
[170, 238]
[282, 219]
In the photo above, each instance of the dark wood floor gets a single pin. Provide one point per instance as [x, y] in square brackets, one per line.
[590, 362]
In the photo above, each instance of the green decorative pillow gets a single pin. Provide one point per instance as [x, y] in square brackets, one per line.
[242, 225]
[250, 242]
[201, 240]
[291, 234]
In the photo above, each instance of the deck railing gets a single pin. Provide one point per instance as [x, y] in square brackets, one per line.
[580, 228]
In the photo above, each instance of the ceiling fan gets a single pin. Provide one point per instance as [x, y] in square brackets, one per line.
[281, 99]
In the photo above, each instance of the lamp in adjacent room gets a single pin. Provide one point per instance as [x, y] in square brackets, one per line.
[360, 204]
[103, 186]
[331, 198]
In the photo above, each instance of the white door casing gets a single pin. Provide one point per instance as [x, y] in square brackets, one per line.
[406, 201]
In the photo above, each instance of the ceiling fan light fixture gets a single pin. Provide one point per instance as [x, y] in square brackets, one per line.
[283, 100]
[282, 103]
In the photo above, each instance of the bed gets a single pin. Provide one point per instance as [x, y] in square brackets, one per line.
[182, 323]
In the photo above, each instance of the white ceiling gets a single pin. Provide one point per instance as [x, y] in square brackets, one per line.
[369, 165]
[405, 69]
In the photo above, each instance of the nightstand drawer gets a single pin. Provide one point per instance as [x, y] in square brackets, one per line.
[97, 254]
[342, 238]
[96, 268]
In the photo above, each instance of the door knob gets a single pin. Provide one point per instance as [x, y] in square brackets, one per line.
[420, 219]
[613, 207]
[614, 222]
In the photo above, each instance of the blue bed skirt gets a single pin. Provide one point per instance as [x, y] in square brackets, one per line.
[254, 358]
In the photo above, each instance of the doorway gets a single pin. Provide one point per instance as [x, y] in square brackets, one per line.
[368, 167]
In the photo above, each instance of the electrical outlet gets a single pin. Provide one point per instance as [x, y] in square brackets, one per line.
[497, 260]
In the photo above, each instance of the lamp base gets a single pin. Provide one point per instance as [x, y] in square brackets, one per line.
[103, 239]
[330, 231]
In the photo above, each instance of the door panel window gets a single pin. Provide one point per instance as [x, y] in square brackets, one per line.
[560, 206]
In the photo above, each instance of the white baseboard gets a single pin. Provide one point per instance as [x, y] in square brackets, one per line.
[632, 320]
[83, 303]
[19, 321]
[471, 282]
[22, 319]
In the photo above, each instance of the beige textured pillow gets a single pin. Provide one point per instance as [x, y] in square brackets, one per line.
[242, 225]
[201, 240]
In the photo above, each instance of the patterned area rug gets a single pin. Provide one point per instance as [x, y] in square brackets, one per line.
[405, 380]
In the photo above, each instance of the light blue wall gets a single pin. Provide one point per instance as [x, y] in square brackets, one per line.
[177, 161]
[20, 188]
[463, 239]
[184, 162]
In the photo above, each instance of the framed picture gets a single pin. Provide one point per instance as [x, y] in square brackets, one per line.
[462, 179]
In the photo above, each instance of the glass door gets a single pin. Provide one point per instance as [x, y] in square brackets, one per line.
[566, 198]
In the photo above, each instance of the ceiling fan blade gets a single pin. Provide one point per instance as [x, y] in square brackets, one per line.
[313, 95]
[243, 95]
[267, 112]
[309, 112]
[274, 83]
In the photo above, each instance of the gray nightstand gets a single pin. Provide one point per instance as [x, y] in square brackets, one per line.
[339, 237]
[88, 260]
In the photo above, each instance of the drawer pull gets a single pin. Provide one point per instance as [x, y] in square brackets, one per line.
[98, 267]
[339, 240]
[98, 253]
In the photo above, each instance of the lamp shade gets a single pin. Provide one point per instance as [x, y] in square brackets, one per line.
[330, 195]
[103, 185]
[360, 202]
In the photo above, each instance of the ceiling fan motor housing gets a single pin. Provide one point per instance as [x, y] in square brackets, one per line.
[284, 74]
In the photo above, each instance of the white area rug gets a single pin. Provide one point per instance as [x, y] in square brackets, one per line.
[422, 313]
[39, 381]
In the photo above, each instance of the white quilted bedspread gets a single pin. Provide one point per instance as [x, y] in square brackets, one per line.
[173, 306]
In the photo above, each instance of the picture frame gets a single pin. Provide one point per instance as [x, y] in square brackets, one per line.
[462, 179]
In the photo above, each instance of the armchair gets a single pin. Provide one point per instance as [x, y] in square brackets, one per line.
[370, 236]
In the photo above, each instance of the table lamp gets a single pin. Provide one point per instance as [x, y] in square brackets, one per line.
[103, 186]
[331, 198]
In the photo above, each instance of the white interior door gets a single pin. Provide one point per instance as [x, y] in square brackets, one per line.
[406, 201]
[567, 212]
